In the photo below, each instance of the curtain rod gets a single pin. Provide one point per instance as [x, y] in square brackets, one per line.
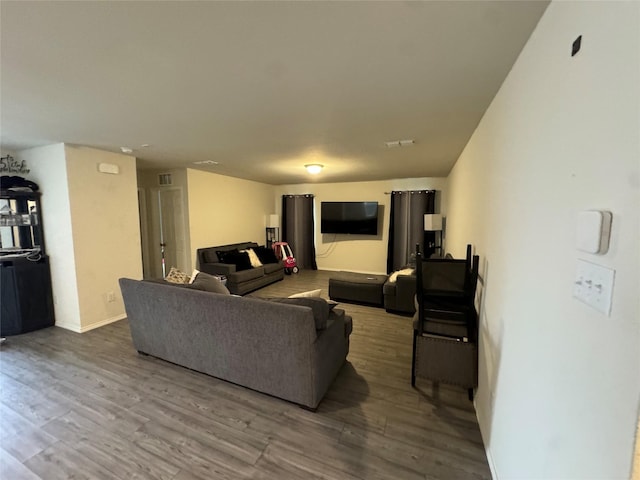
[408, 191]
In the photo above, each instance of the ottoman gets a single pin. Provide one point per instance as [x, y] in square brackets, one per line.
[357, 288]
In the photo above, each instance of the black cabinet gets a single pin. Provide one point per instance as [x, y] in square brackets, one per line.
[26, 300]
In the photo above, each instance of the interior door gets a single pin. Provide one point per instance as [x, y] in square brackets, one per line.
[168, 227]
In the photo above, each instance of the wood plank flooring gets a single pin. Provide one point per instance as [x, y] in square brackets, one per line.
[87, 406]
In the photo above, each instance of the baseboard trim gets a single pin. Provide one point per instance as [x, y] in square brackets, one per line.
[492, 466]
[68, 326]
[101, 323]
[487, 450]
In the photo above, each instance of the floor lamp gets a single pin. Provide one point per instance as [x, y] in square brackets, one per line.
[433, 223]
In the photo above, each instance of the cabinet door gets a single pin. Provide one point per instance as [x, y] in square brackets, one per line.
[10, 317]
[27, 302]
[36, 301]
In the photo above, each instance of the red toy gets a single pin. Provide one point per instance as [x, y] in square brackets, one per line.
[283, 252]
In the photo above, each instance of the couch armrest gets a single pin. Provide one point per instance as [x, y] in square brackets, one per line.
[405, 293]
[217, 268]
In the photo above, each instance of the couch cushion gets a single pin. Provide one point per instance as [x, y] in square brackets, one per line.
[209, 256]
[318, 305]
[272, 267]
[265, 255]
[245, 275]
[208, 283]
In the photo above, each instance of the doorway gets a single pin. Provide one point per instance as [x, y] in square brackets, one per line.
[168, 245]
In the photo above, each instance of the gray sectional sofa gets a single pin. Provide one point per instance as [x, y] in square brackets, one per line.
[267, 346]
[238, 282]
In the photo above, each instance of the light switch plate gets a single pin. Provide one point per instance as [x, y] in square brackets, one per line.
[594, 286]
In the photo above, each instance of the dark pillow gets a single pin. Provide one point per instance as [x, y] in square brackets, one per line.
[265, 255]
[318, 305]
[223, 254]
[209, 283]
[239, 259]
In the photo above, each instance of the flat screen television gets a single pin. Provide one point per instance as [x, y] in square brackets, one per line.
[358, 218]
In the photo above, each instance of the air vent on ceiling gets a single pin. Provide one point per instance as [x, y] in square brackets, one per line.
[164, 179]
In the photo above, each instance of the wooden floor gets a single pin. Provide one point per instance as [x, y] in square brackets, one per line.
[88, 406]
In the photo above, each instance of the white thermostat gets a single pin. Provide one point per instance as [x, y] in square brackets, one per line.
[593, 231]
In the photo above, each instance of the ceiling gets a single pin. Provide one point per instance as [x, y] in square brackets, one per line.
[262, 88]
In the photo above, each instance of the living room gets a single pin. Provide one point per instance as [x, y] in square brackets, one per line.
[559, 388]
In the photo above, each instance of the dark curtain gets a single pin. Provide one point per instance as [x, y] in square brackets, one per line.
[406, 226]
[298, 230]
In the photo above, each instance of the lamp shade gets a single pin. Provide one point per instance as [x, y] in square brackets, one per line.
[274, 221]
[432, 222]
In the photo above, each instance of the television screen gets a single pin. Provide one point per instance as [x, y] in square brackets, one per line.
[358, 218]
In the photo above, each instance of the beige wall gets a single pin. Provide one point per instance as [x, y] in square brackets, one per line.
[559, 382]
[226, 210]
[356, 253]
[106, 232]
[636, 456]
[91, 230]
[49, 170]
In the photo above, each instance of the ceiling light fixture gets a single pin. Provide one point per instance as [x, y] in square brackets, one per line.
[126, 150]
[206, 162]
[314, 168]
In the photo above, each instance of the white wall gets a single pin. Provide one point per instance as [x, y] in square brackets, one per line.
[225, 210]
[559, 382]
[106, 231]
[49, 170]
[355, 253]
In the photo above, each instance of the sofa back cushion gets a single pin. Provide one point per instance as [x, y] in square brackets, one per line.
[318, 305]
[209, 256]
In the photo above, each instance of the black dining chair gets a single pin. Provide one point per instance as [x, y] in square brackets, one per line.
[445, 326]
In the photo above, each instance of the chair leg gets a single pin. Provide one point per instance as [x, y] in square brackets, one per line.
[413, 360]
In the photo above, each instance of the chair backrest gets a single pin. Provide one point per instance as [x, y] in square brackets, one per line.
[447, 279]
[443, 275]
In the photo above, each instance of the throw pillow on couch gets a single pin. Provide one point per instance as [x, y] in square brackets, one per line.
[208, 283]
[265, 255]
[234, 257]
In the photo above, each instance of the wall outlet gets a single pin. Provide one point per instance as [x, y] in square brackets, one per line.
[111, 297]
